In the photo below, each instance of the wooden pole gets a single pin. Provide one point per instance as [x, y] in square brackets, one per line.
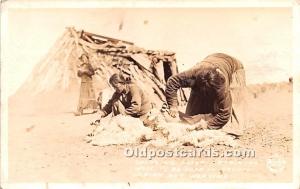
[107, 38]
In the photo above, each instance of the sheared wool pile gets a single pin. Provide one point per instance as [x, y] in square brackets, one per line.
[119, 130]
[205, 138]
[179, 133]
[128, 130]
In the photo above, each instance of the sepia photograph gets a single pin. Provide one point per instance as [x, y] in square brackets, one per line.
[147, 94]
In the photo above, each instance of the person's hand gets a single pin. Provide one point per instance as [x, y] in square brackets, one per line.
[201, 125]
[191, 128]
[101, 113]
[173, 112]
[96, 122]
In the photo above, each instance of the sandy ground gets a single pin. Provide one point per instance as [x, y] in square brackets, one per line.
[48, 147]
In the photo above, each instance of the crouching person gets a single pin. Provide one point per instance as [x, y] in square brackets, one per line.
[210, 97]
[128, 99]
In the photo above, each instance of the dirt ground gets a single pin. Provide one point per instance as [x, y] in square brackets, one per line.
[49, 147]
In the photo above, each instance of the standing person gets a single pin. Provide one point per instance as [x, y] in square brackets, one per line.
[210, 97]
[128, 99]
[87, 97]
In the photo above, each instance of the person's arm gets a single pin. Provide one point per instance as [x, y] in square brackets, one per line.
[107, 109]
[136, 101]
[90, 70]
[181, 80]
[79, 73]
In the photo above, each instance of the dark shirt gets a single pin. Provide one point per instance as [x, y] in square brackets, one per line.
[134, 100]
[214, 106]
[86, 69]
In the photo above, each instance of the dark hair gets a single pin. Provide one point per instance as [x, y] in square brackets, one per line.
[210, 78]
[118, 78]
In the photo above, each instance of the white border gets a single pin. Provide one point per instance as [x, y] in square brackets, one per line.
[296, 91]
[153, 4]
[146, 4]
[4, 107]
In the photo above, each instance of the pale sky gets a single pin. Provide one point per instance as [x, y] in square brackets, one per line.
[260, 37]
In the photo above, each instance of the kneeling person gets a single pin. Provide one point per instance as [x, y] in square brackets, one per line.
[210, 97]
[128, 99]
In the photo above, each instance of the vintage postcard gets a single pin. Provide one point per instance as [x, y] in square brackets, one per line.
[137, 93]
